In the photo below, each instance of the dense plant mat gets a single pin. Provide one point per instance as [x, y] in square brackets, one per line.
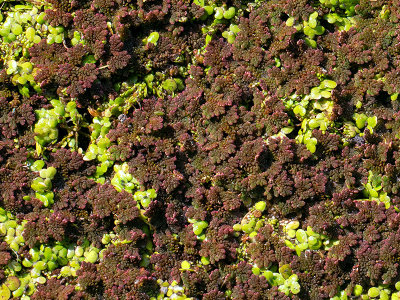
[199, 149]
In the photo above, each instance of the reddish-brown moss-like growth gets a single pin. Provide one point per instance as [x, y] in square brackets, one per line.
[213, 147]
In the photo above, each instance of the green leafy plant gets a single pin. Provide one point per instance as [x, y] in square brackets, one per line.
[301, 240]
[313, 110]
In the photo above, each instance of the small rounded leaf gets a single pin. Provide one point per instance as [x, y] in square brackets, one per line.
[285, 271]
[5, 292]
[256, 270]
[358, 289]
[92, 256]
[289, 244]
[30, 34]
[329, 84]
[230, 13]
[205, 260]
[268, 275]
[247, 228]
[59, 38]
[185, 265]
[209, 9]
[315, 93]
[197, 228]
[40, 18]
[372, 121]
[291, 233]
[153, 37]
[12, 283]
[299, 110]
[312, 23]
[312, 240]
[41, 280]
[237, 227]
[79, 251]
[311, 147]
[260, 206]
[373, 292]
[326, 94]
[295, 288]
[219, 13]
[293, 225]
[65, 271]
[16, 29]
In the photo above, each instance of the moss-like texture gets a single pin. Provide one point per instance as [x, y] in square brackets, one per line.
[199, 149]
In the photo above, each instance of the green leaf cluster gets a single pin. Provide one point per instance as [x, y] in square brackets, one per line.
[10, 230]
[99, 146]
[340, 14]
[24, 272]
[381, 292]
[310, 28]
[341, 6]
[373, 190]
[284, 278]
[152, 38]
[300, 240]
[343, 23]
[170, 291]
[198, 228]
[362, 121]
[23, 26]
[122, 180]
[145, 197]
[251, 223]
[159, 84]
[230, 34]
[77, 38]
[314, 112]
[56, 35]
[46, 127]
[42, 185]
[132, 93]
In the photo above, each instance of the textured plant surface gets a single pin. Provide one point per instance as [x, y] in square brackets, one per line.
[200, 149]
